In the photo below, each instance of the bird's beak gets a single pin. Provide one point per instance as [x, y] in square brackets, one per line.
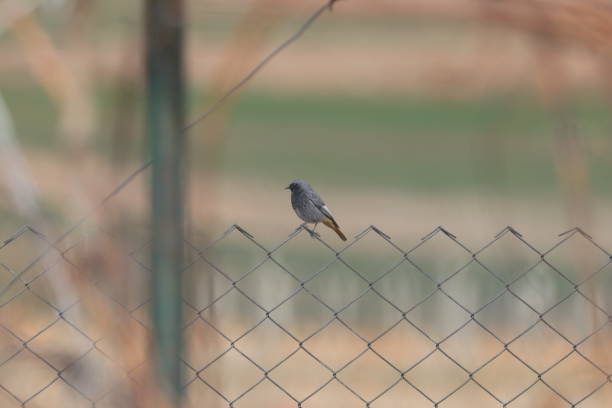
[287, 188]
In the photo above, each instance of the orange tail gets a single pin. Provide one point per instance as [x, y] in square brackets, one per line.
[329, 223]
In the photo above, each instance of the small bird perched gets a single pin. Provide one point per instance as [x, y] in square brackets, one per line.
[309, 206]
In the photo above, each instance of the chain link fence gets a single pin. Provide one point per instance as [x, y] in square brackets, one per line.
[303, 323]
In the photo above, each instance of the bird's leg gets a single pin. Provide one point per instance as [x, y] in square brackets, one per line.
[312, 233]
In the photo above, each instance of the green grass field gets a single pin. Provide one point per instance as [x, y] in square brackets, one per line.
[499, 143]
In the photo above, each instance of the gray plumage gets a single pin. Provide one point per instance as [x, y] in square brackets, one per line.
[310, 207]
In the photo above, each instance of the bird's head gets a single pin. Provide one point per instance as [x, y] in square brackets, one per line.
[297, 185]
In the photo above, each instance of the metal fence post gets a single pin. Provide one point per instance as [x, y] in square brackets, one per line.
[165, 121]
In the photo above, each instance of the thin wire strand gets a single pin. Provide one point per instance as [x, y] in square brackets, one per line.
[314, 17]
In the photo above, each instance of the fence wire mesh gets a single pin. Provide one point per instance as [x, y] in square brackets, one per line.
[371, 324]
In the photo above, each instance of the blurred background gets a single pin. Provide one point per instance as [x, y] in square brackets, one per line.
[406, 115]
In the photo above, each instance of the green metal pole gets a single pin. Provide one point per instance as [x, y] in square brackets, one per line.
[165, 121]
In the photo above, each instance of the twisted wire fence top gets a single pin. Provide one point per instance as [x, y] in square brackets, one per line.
[270, 322]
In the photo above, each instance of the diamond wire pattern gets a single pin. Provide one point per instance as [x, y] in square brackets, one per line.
[368, 343]
[61, 314]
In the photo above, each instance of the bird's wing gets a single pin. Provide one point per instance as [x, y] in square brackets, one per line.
[320, 205]
[327, 213]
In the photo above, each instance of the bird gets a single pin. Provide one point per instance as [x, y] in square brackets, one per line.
[311, 208]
